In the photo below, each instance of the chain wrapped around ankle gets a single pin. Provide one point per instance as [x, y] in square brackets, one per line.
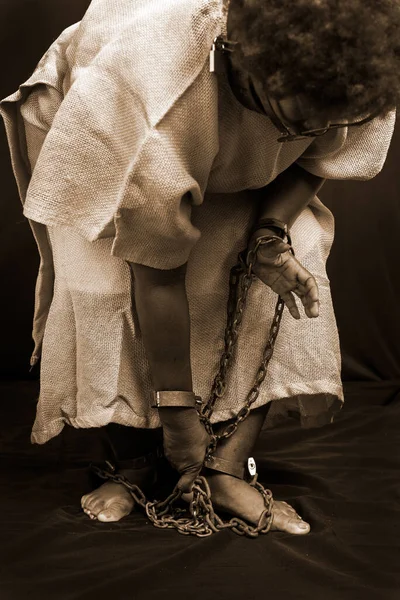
[201, 519]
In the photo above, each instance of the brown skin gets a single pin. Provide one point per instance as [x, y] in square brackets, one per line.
[163, 313]
[162, 308]
[237, 497]
[112, 502]
[284, 199]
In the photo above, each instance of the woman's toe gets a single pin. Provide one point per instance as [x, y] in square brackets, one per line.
[90, 510]
[108, 516]
[114, 513]
[290, 522]
[297, 526]
[96, 506]
[89, 514]
[111, 515]
[91, 502]
[84, 500]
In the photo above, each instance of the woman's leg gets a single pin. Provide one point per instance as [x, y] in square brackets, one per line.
[134, 451]
[235, 495]
[130, 442]
[111, 501]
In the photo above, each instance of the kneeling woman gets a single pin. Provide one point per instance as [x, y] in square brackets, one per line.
[143, 173]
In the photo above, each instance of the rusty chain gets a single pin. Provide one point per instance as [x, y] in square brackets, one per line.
[241, 278]
[203, 520]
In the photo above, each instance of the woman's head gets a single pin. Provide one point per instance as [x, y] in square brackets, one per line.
[341, 54]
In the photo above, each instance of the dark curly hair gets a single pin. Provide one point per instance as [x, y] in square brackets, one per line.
[340, 53]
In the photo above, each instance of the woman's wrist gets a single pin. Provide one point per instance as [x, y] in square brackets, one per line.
[268, 226]
[279, 227]
[262, 231]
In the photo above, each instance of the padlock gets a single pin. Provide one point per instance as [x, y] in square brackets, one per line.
[252, 467]
[217, 59]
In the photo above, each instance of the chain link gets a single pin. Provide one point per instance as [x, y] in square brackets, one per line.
[203, 520]
[241, 278]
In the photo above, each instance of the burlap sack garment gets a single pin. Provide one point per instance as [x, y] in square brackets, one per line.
[126, 147]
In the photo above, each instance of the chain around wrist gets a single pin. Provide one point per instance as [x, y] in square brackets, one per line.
[280, 228]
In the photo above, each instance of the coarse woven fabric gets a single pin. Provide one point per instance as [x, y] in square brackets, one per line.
[115, 165]
[136, 99]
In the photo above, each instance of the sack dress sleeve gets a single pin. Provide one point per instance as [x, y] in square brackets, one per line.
[351, 152]
[168, 176]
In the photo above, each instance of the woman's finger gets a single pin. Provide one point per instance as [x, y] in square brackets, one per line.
[302, 297]
[310, 301]
[309, 296]
[312, 309]
[306, 283]
[308, 287]
[290, 302]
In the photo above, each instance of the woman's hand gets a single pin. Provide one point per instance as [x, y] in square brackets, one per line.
[281, 271]
[185, 443]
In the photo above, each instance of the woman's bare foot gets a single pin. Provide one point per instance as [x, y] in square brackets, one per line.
[112, 501]
[240, 499]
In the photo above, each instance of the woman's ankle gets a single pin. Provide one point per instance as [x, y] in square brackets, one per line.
[128, 443]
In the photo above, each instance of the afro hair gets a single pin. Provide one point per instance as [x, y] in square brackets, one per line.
[340, 53]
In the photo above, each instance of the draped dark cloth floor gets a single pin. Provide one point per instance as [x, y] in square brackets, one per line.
[343, 478]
